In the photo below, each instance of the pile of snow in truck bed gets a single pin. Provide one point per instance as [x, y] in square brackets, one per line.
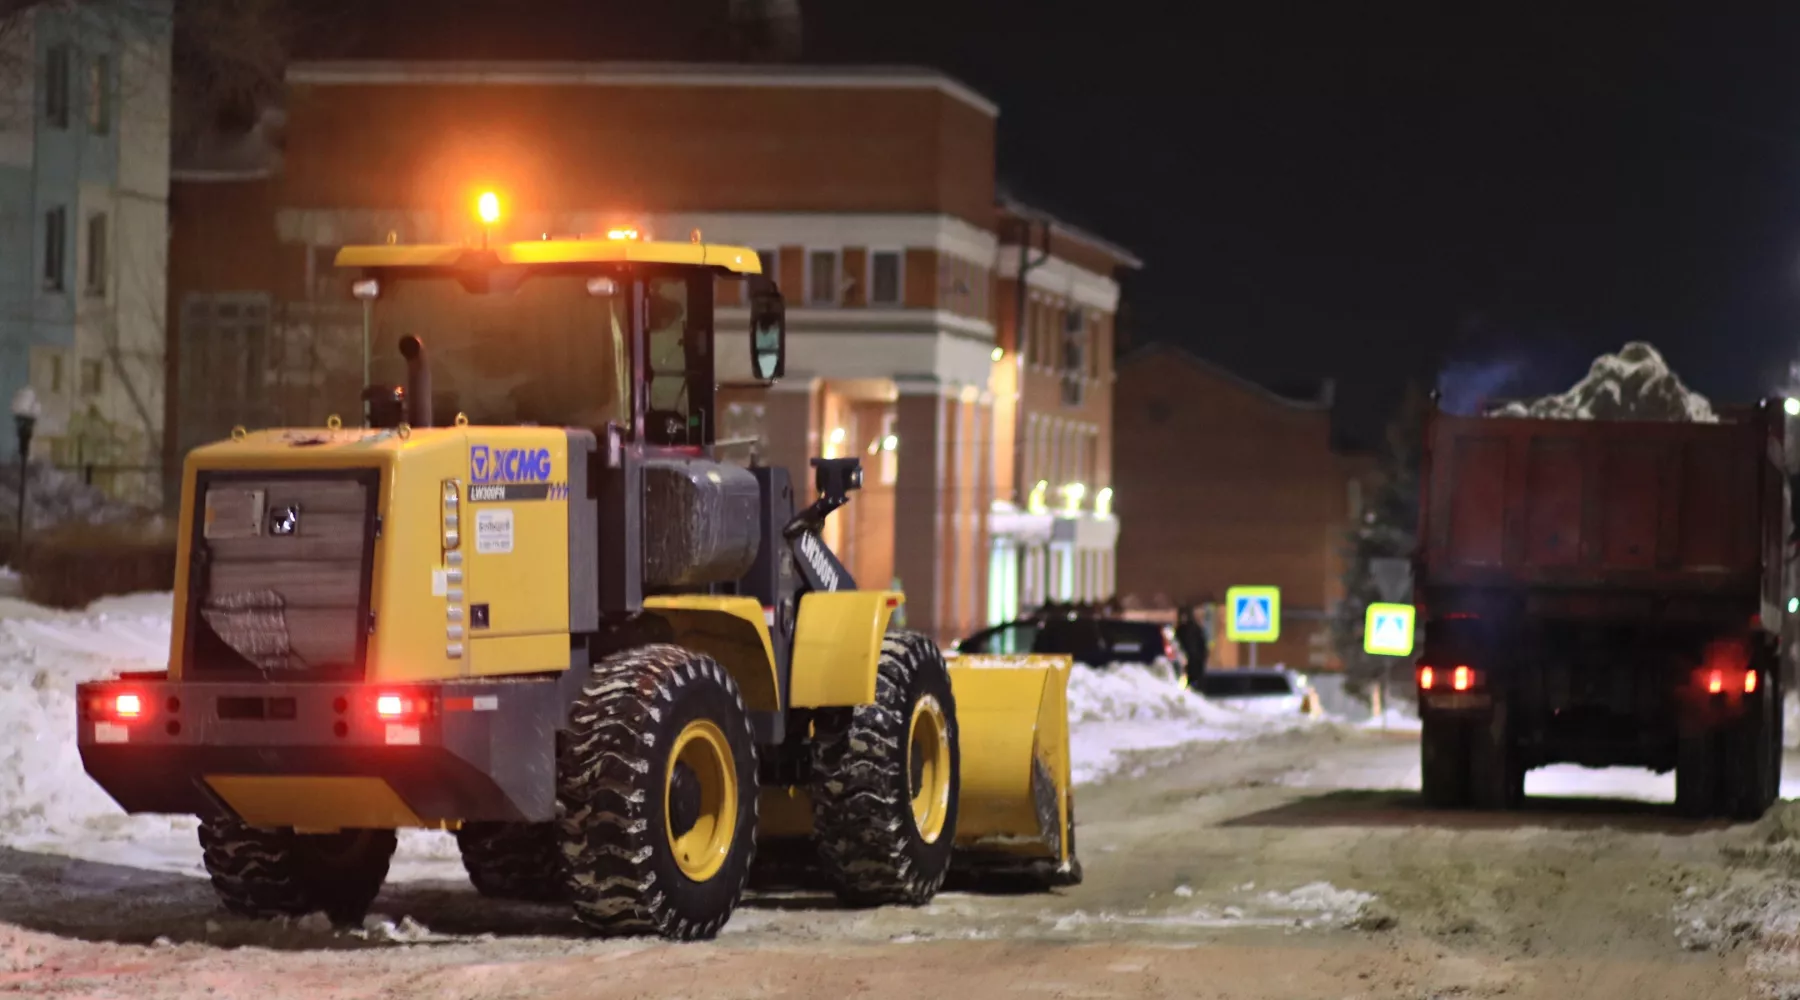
[48, 804]
[1634, 384]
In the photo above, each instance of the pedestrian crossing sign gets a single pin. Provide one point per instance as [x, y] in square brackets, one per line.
[1388, 630]
[1253, 614]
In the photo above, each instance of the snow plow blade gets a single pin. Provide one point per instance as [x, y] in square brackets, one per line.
[1015, 814]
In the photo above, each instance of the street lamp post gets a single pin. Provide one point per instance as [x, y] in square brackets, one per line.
[25, 411]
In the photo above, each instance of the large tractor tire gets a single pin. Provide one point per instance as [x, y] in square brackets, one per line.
[885, 781]
[280, 873]
[657, 788]
[517, 861]
[1444, 762]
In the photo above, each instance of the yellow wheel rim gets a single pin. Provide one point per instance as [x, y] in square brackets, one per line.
[702, 759]
[928, 768]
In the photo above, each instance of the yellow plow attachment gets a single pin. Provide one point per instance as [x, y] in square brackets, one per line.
[1016, 812]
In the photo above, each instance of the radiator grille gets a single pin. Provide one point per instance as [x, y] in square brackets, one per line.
[279, 586]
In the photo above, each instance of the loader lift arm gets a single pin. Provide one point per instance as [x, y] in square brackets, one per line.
[820, 569]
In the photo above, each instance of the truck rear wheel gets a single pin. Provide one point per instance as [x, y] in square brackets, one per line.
[1751, 768]
[519, 861]
[1496, 781]
[280, 873]
[1444, 762]
[658, 795]
[1697, 778]
[886, 778]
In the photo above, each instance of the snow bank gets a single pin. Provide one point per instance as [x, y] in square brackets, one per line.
[1128, 707]
[47, 802]
[53, 497]
[1634, 384]
[1394, 719]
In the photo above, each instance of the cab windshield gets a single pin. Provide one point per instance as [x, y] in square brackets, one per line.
[557, 350]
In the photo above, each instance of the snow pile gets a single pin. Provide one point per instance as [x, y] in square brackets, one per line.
[1394, 719]
[1634, 384]
[1128, 707]
[47, 801]
[54, 497]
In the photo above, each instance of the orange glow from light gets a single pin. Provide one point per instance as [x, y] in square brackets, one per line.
[1715, 682]
[622, 233]
[1460, 678]
[489, 207]
[128, 706]
[1750, 682]
[1427, 677]
[389, 706]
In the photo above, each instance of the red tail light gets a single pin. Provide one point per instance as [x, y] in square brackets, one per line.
[1750, 682]
[1715, 682]
[124, 707]
[393, 706]
[1427, 677]
[1461, 678]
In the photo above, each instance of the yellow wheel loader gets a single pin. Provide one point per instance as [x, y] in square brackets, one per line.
[560, 627]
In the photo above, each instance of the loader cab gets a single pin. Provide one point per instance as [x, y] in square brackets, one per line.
[617, 335]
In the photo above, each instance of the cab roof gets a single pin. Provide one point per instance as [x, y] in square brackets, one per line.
[738, 260]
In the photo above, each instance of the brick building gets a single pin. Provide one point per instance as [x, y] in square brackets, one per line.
[869, 192]
[1226, 483]
[1051, 527]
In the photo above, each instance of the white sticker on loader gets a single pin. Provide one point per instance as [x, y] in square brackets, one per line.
[107, 732]
[494, 531]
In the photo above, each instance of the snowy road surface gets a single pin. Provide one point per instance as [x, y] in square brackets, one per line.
[1241, 870]
[1264, 860]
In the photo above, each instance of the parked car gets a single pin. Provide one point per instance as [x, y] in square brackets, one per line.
[1085, 636]
[1274, 692]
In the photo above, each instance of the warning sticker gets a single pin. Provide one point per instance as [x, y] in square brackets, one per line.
[493, 531]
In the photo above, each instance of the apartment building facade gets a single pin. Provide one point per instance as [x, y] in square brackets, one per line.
[84, 181]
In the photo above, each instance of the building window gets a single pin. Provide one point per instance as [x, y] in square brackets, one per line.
[884, 278]
[96, 260]
[90, 377]
[821, 278]
[56, 374]
[99, 95]
[56, 86]
[56, 224]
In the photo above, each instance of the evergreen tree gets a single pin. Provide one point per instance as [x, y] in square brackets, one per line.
[1388, 530]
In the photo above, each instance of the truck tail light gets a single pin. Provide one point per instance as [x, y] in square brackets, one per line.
[1715, 681]
[1749, 682]
[1461, 678]
[1427, 678]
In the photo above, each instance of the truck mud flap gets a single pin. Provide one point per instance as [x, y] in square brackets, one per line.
[1015, 813]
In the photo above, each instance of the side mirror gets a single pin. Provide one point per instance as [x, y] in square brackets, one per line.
[768, 330]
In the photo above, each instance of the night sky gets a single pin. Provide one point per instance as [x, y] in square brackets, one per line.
[1373, 191]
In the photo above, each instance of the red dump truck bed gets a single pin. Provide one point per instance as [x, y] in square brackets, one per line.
[1610, 505]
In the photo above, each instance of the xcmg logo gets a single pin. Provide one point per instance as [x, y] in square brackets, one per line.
[508, 465]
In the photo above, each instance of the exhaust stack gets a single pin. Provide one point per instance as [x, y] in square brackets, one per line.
[418, 381]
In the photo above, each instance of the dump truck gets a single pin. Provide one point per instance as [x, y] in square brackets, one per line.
[560, 626]
[1603, 593]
